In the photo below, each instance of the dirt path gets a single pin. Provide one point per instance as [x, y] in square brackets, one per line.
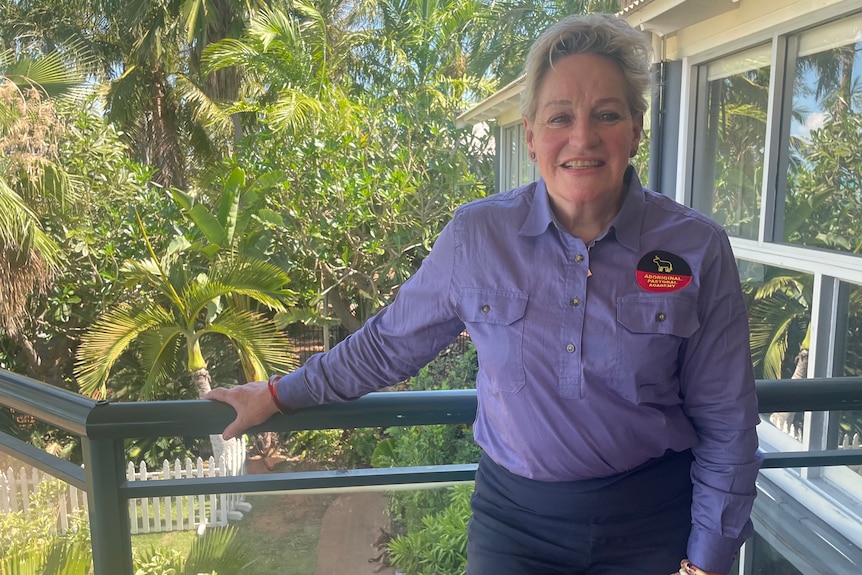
[351, 526]
[349, 529]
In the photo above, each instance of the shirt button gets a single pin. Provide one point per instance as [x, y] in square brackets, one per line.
[579, 258]
[576, 301]
[486, 308]
[660, 316]
[570, 348]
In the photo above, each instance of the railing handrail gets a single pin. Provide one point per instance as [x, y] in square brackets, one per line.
[121, 420]
[103, 426]
[63, 409]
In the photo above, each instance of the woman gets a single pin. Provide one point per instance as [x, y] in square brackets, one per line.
[617, 407]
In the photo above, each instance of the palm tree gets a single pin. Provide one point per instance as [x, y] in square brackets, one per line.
[293, 62]
[30, 174]
[500, 41]
[175, 310]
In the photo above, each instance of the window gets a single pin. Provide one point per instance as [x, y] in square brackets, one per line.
[823, 202]
[779, 315]
[733, 101]
[768, 561]
[849, 362]
[516, 169]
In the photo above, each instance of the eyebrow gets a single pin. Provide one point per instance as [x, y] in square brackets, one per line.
[600, 102]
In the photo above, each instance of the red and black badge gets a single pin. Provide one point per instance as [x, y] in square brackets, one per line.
[660, 271]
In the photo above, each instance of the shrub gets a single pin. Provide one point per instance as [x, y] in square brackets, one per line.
[440, 546]
[430, 444]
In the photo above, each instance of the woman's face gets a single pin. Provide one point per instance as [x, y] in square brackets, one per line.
[584, 133]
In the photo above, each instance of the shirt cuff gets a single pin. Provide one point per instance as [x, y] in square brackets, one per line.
[293, 390]
[714, 553]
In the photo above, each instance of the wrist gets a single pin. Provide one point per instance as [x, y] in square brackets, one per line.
[686, 567]
[272, 384]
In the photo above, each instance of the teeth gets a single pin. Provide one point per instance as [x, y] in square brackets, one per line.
[582, 164]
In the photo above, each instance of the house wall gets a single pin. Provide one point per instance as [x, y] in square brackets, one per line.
[752, 22]
[767, 47]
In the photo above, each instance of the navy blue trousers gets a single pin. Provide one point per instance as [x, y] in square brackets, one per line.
[636, 523]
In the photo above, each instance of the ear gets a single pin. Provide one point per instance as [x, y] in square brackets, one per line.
[637, 132]
[528, 136]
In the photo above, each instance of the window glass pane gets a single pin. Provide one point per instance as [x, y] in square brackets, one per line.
[525, 172]
[768, 561]
[515, 166]
[733, 147]
[779, 315]
[850, 422]
[508, 155]
[824, 180]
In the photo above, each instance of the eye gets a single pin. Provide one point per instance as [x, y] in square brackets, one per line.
[558, 120]
[609, 117]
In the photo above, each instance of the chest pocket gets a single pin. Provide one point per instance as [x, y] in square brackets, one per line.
[650, 330]
[495, 322]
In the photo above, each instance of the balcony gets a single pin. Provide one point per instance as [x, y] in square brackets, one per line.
[809, 507]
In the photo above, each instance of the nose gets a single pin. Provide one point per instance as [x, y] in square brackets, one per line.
[583, 132]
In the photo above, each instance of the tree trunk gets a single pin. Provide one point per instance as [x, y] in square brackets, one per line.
[231, 451]
[350, 322]
[784, 419]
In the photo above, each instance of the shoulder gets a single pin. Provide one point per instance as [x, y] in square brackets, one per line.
[662, 208]
[511, 202]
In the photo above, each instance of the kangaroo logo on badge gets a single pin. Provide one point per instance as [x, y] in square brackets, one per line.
[660, 271]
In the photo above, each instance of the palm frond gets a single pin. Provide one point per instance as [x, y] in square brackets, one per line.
[263, 346]
[109, 337]
[218, 551]
[147, 271]
[19, 227]
[256, 279]
[205, 110]
[160, 349]
[51, 74]
[293, 111]
[770, 321]
[778, 284]
[248, 275]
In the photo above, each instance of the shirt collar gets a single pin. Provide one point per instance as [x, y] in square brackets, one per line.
[540, 215]
[626, 226]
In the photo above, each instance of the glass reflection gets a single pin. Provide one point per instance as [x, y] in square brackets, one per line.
[824, 179]
[733, 157]
[850, 422]
[779, 316]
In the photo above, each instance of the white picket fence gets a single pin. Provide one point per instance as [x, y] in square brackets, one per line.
[16, 491]
[179, 513]
[846, 442]
[147, 515]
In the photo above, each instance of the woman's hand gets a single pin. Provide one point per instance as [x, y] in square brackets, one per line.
[687, 568]
[252, 402]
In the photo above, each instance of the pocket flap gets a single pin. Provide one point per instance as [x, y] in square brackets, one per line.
[658, 314]
[492, 306]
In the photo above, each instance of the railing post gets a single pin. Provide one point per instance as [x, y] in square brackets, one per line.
[104, 468]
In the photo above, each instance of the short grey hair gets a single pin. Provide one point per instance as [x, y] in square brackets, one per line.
[601, 34]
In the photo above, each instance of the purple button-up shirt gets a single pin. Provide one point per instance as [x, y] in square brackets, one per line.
[593, 358]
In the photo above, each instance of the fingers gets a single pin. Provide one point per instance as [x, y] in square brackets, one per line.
[217, 394]
[252, 403]
[234, 429]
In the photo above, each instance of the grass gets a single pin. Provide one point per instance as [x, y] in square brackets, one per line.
[281, 532]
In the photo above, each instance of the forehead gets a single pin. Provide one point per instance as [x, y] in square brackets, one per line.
[579, 76]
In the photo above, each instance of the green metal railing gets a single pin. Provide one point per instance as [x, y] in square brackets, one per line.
[103, 427]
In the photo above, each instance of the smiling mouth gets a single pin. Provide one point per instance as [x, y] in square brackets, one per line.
[582, 164]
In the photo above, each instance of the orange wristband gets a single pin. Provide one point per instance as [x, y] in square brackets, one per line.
[273, 392]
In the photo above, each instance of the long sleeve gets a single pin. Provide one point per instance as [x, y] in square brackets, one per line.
[717, 383]
[392, 345]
